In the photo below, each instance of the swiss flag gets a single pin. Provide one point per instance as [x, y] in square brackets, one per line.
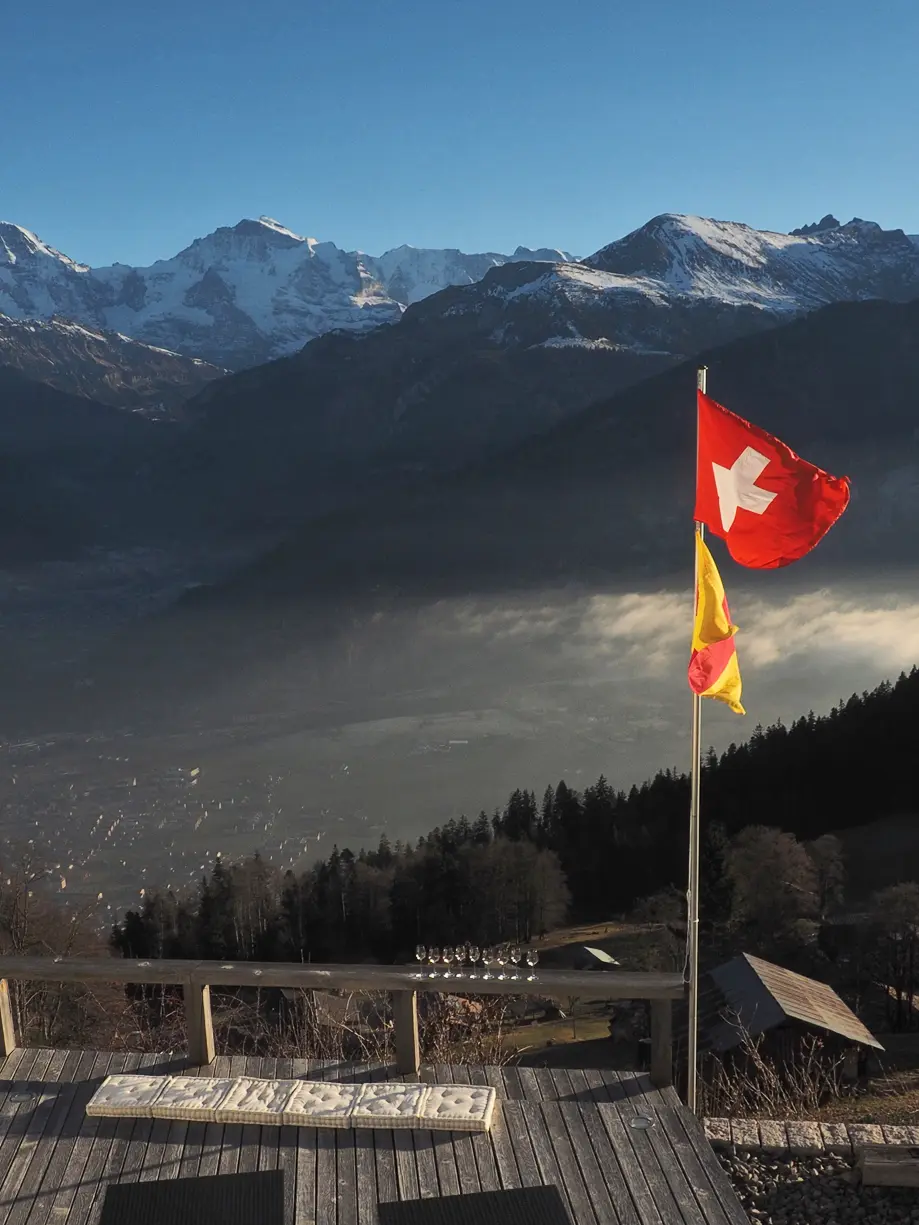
[768, 504]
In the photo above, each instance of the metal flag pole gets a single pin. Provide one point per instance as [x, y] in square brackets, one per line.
[695, 796]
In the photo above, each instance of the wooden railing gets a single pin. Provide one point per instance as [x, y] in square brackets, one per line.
[403, 982]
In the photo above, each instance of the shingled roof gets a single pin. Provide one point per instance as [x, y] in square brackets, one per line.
[749, 995]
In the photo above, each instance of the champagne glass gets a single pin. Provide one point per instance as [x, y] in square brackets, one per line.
[460, 954]
[532, 962]
[433, 958]
[420, 956]
[515, 959]
[501, 959]
[446, 957]
[474, 954]
[488, 960]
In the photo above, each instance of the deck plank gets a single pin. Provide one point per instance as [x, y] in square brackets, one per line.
[513, 1087]
[620, 1192]
[406, 1169]
[346, 1175]
[700, 1163]
[563, 1151]
[687, 1170]
[16, 1115]
[445, 1162]
[562, 1127]
[366, 1174]
[326, 1190]
[99, 1134]
[658, 1160]
[505, 1124]
[287, 1148]
[37, 1203]
[642, 1190]
[305, 1177]
[423, 1143]
[590, 1170]
[69, 1162]
[34, 1152]
[9, 1063]
[121, 1131]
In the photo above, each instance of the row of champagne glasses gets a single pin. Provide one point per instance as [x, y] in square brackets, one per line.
[498, 955]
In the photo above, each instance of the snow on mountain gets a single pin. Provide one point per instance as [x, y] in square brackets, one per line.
[410, 274]
[687, 257]
[255, 291]
[102, 366]
[237, 297]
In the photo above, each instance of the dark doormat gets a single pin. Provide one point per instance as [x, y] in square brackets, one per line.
[225, 1199]
[524, 1206]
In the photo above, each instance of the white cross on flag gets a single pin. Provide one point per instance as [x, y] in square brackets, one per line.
[769, 505]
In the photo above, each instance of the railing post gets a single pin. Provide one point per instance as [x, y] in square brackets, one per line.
[198, 1022]
[405, 1032]
[7, 1027]
[661, 1043]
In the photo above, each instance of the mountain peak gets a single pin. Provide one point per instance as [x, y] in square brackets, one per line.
[264, 227]
[19, 245]
[828, 222]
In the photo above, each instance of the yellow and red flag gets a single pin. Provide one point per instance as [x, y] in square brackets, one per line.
[713, 667]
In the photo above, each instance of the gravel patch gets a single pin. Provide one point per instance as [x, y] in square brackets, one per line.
[814, 1191]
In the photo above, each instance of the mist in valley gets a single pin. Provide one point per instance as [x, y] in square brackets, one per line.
[347, 722]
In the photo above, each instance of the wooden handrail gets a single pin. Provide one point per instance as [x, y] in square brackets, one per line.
[404, 982]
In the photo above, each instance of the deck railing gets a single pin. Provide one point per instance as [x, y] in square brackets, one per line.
[403, 983]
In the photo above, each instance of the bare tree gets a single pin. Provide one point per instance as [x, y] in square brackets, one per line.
[830, 869]
[34, 923]
[775, 881]
[896, 953]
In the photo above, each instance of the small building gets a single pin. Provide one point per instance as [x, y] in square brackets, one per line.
[577, 957]
[749, 998]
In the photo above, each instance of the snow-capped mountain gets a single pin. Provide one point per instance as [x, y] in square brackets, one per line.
[410, 274]
[677, 256]
[255, 291]
[481, 367]
[102, 366]
[237, 297]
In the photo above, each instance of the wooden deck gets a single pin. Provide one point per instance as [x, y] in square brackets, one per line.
[565, 1127]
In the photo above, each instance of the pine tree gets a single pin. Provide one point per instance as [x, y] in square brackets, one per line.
[716, 888]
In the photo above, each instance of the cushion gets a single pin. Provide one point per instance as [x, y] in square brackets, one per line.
[192, 1097]
[322, 1103]
[126, 1097]
[458, 1108]
[255, 1101]
[388, 1105]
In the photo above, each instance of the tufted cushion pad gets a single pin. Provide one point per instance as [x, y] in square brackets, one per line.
[192, 1097]
[126, 1097]
[389, 1105]
[458, 1108]
[320, 1103]
[255, 1101]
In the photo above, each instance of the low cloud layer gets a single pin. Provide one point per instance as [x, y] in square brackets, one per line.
[647, 634]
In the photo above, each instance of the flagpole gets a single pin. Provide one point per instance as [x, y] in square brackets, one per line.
[695, 796]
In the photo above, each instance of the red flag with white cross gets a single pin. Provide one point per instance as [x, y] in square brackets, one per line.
[768, 505]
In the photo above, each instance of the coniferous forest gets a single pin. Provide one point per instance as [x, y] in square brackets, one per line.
[541, 860]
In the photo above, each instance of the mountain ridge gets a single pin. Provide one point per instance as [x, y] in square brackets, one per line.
[477, 368]
[238, 296]
[256, 291]
[102, 366]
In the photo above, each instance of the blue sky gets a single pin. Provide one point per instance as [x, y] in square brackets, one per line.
[132, 128]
